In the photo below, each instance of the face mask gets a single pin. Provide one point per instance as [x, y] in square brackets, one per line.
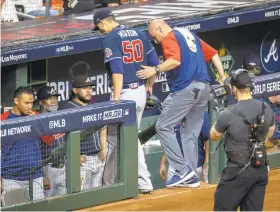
[50, 108]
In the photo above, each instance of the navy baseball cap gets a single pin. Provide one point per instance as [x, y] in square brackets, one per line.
[46, 92]
[241, 79]
[100, 15]
[251, 60]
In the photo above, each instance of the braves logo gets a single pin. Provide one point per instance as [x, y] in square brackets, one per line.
[270, 50]
[108, 52]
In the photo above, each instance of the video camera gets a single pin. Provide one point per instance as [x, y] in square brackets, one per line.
[218, 95]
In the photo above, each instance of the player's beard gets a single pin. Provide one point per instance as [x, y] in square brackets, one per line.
[82, 99]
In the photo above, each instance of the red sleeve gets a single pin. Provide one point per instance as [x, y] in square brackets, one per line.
[208, 51]
[171, 48]
[5, 115]
[47, 139]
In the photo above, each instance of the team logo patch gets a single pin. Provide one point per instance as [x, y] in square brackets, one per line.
[57, 136]
[108, 52]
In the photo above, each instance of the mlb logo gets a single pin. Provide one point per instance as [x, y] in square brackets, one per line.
[108, 53]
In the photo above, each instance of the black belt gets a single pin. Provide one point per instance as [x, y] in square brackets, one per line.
[91, 153]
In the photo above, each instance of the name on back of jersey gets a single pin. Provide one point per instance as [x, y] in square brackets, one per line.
[127, 33]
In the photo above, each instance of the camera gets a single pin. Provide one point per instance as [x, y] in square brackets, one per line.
[219, 91]
[218, 97]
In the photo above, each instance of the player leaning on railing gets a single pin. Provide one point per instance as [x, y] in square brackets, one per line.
[19, 158]
[93, 142]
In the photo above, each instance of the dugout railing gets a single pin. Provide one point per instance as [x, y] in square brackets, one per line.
[122, 113]
[264, 86]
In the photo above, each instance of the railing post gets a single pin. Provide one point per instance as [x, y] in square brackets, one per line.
[213, 157]
[73, 179]
[48, 6]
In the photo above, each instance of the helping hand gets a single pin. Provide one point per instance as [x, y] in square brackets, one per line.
[102, 155]
[83, 159]
[47, 183]
[162, 172]
[146, 72]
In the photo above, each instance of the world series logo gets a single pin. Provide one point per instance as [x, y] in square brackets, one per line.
[270, 50]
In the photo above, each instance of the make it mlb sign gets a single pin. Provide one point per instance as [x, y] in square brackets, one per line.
[112, 114]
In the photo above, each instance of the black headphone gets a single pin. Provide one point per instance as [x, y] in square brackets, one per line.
[236, 73]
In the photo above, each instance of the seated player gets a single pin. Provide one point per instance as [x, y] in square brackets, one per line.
[54, 172]
[93, 142]
[274, 141]
[19, 158]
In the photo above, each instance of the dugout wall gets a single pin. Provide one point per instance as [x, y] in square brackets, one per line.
[36, 61]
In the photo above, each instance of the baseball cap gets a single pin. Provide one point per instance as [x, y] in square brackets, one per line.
[100, 15]
[46, 92]
[241, 79]
[251, 60]
[82, 80]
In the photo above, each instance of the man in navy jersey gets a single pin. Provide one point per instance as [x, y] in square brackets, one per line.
[19, 158]
[126, 51]
[92, 141]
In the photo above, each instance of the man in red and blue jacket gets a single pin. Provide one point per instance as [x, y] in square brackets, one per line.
[19, 158]
[188, 81]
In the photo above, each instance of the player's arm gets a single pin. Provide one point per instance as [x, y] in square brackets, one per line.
[271, 128]
[103, 139]
[113, 57]
[204, 133]
[212, 54]
[172, 53]
[162, 167]
[220, 126]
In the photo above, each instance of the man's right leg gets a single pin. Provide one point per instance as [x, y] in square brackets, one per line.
[254, 199]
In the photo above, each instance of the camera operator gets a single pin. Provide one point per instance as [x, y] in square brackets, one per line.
[245, 125]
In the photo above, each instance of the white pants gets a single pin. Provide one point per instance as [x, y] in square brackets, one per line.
[58, 181]
[144, 182]
[91, 173]
[10, 185]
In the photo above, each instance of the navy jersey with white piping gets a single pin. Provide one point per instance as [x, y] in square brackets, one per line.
[125, 50]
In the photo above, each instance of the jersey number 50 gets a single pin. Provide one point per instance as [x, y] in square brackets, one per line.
[133, 50]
